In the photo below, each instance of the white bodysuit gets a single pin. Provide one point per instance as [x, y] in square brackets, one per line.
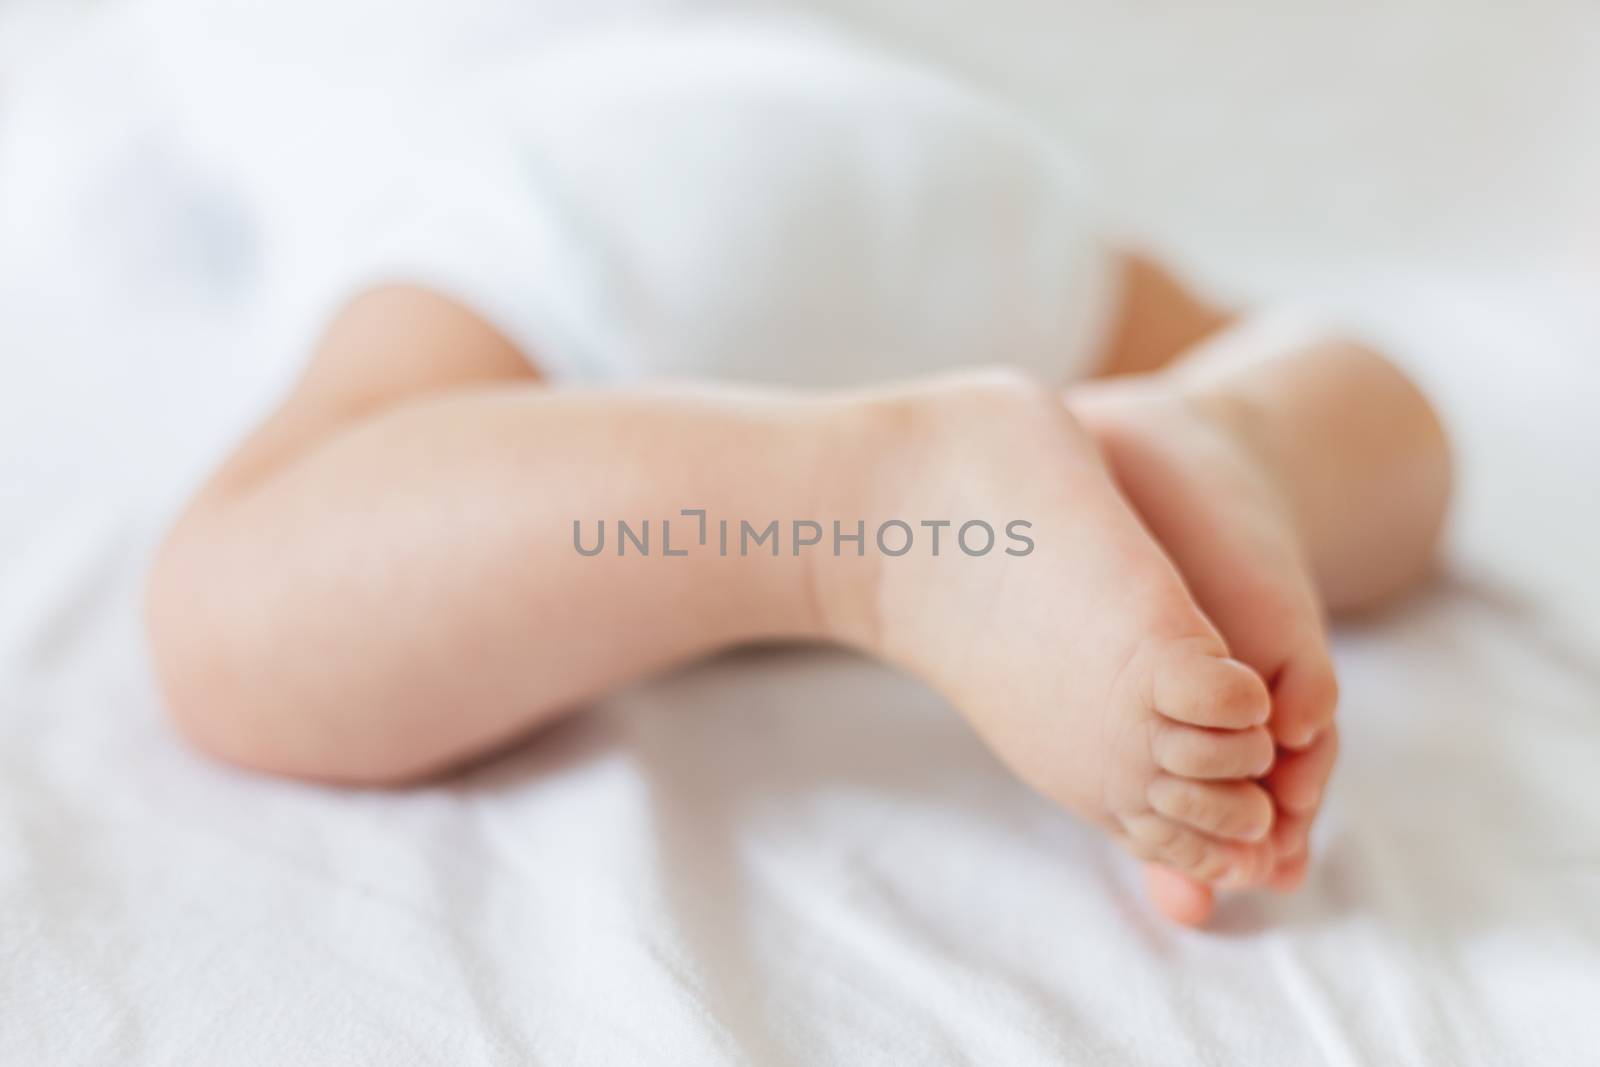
[749, 200]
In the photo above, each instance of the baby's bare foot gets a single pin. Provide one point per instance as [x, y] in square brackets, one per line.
[1083, 663]
[1187, 462]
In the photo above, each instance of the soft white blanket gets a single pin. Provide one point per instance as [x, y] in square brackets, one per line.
[794, 857]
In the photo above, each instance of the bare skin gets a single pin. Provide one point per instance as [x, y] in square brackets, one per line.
[1241, 461]
[1204, 467]
[1117, 698]
[313, 612]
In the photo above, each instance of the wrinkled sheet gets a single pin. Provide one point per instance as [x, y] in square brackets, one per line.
[796, 857]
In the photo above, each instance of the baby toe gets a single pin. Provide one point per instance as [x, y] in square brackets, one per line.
[1290, 834]
[1289, 875]
[1236, 811]
[1305, 696]
[1298, 779]
[1193, 854]
[1209, 691]
[1179, 897]
[1196, 752]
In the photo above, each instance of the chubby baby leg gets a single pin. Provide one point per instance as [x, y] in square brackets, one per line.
[383, 581]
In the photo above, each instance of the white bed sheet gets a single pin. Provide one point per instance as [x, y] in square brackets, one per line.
[795, 858]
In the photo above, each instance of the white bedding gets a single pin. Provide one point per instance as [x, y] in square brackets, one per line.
[793, 858]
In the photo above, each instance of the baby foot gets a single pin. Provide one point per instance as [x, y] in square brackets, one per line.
[1083, 663]
[1188, 463]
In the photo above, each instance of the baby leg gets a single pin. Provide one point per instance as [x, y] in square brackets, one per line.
[383, 581]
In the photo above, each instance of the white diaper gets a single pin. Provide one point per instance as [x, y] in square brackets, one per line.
[750, 200]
